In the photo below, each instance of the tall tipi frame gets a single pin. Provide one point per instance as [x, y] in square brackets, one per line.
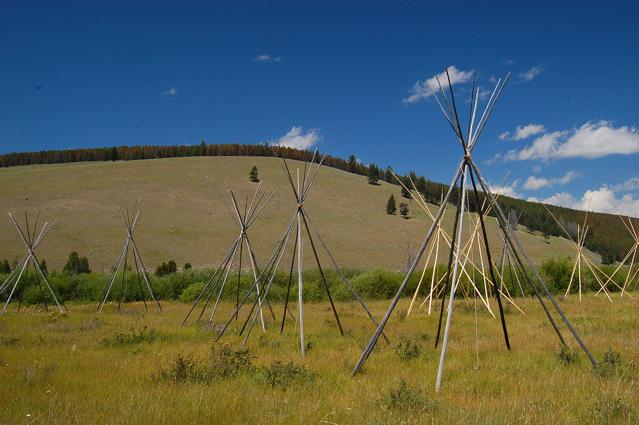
[215, 285]
[466, 169]
[130, 221]
[32, 238]
[303, 225]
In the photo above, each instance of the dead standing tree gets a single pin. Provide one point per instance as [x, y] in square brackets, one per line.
[468, 170]
[32, 238]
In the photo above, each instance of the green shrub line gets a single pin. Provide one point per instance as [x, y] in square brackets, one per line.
[185, 285]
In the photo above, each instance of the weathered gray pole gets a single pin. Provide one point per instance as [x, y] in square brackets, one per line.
[455, 281]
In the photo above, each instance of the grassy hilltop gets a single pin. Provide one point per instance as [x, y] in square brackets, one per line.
[186, 212]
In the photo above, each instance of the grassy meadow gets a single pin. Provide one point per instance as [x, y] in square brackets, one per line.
[141, 367]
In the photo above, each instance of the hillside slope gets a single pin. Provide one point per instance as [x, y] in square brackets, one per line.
[186, 212]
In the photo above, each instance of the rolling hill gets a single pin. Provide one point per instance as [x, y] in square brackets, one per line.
[186, 212]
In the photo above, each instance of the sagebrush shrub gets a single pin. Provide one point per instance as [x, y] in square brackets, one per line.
[566, 355]
[184, 369]
[407, 350]
[227, 362]
[283, 375]
[132, 337]
[610, 363]
[405, 397]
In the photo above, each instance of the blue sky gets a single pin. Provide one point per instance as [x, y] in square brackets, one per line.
[340, 76]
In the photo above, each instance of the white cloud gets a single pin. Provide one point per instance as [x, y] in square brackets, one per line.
[424, 89]
[536, 183]
[531, 73]
[267, 58]
[506, 62]
[600, 200]
[591, 140]
[523, 132]
[170, 92]
[506, 190]
[630, 184]
[298, 139]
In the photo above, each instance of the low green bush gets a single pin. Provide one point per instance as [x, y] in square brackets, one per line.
[405, 397]
[284, 375]
[132, 337]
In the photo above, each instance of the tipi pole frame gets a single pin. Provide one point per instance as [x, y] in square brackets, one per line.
[30, 243]
[514, 242]
[217, 281]
[130, 222]
[468, 145]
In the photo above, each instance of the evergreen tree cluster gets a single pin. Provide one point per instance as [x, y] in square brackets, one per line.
[76, 264]
[166, 269]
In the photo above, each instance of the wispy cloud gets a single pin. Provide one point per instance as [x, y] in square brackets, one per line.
[298, 139]
[627, 186]
[591, 140]
[536, 183]
[424, 89]
[523, 132]
[267, 58]
[531, 73]
[506, 62]
[170, 92]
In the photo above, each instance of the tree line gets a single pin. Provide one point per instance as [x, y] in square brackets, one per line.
[607, 235]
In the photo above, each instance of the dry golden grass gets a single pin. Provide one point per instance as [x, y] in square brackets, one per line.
[56, 370]
[184, 216]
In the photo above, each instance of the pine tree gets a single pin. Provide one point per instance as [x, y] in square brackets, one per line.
[4, 267]
[84, 265]
[43, 267]
[403, 210]
[389, 175]
[390, 205]
[171, 267]
[352, 164]
[373, 174]
[405, 192]
[253, 177]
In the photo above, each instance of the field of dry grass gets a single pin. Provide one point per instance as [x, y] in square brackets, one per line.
[82, 369]
[186, 212]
